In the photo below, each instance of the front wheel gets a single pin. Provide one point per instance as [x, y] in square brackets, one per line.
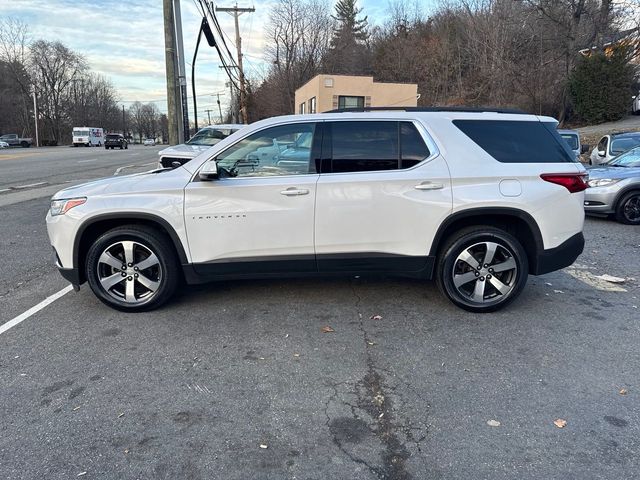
[133, 268]
[482, 269]
[628, 209]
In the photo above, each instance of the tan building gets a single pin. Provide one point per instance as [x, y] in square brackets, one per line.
[328, 92]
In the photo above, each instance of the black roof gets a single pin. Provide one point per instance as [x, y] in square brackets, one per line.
[430, 109]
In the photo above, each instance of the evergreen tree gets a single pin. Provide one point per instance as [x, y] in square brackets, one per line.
[350, 28]
[600, 86]
[349, 52]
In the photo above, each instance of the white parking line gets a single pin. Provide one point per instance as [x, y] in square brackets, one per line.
[18, 187]
[87, 160]
[23, 316]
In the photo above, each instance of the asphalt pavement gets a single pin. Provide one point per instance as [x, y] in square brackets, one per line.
[237, 380]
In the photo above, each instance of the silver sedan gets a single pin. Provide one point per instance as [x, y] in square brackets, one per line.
[614, 188]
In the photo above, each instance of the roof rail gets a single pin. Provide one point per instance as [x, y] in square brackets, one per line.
[429, 109]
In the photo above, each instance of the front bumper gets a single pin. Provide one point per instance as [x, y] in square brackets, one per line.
[560, 257]
[600, 199]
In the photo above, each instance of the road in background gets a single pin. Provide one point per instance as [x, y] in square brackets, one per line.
[236, 380]
[60, 165]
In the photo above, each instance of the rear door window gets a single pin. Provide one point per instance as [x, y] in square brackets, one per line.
[413, 150]
[517, 141]
[364, 146]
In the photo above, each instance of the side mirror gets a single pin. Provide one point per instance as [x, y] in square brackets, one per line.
[584, 148]
[209, 171]
[601, 153]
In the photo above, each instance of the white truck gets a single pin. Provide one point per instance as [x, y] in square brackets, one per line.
[88, 136]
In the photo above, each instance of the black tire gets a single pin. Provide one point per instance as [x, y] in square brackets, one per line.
[24, 144]
[470, 241]
[121, 147]
[628, 208]
[126, 147]
[165, 272]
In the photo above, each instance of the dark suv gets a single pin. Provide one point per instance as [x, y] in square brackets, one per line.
[115, 140]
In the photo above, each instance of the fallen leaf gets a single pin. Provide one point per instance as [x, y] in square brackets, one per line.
[126, 451]
[560, 423]
[286, 336]
[262, 445]
[375, 317]
[121, 415]
[327, 329]
[610, 278]
[493, 423]
[378, 399]
[623, 391]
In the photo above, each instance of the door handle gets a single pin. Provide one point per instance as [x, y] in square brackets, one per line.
[429, 186]
[293, 191]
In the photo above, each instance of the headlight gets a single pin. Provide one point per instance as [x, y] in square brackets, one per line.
[60, 207]
[602, 182]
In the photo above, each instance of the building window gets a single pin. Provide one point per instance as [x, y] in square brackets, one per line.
[312, 105]
[302, 108]
[345, 101]
[328, 82]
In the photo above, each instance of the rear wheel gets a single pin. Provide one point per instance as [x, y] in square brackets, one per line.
[628, 209]
[133, 268]
[24, 144]
[482, 269]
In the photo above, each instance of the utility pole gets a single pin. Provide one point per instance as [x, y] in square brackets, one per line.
[182, 76]
[209, 115]
[236, 12]
[219, 107]
[171, 70]
[35, 117]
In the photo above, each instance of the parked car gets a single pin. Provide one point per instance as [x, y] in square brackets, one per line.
[115, 140]
[15, 141]
[610, 146]
[572, 137]
[149, 142]
[614, 188]
[376, 195]
[3, 144]
[204, 139]
[635, 105]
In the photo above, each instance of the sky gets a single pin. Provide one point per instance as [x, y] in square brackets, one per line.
[124, 40]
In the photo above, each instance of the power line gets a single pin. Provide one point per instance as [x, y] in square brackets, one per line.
[236, 12]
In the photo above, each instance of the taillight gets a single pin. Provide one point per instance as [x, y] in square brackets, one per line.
[574, 182]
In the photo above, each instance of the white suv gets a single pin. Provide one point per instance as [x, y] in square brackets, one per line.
[477, 200]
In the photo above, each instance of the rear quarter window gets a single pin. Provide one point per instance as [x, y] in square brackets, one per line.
[517, 141]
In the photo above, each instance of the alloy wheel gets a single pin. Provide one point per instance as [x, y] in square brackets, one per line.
[631, 209]
[485, 272]
[129, 272]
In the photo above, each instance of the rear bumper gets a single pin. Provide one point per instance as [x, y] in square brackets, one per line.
[560, 257]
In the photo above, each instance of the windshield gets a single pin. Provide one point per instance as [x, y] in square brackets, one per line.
[621, 145]
[210, 136]
[628, 159]
[80, 133]
[113, 137]
[572, 140]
